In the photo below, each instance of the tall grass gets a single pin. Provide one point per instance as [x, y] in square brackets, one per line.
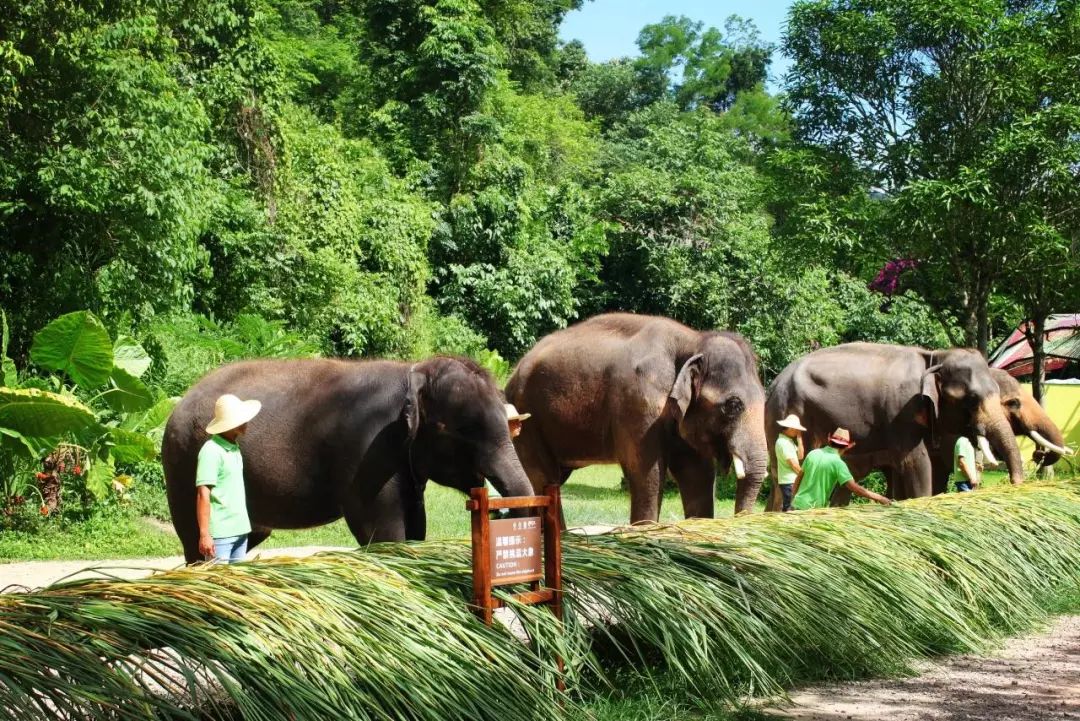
[728, 608]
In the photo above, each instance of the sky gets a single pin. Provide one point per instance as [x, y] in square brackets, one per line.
[609, 28]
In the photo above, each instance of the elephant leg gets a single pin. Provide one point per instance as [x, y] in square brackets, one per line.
[382, 518]
[915, 473]
[841, 496]
[939, 482]
[645, 472]
[258, 535]
[696, 477]
[776, 500]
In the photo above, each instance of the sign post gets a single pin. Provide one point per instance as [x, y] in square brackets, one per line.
[517, 550]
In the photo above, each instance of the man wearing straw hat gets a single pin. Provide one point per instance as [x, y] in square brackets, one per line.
[788, 467]
[824, 470]
[220, 500]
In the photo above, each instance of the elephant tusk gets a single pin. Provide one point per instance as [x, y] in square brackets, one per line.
[740, 468]
[1060, 450]
[988, 455]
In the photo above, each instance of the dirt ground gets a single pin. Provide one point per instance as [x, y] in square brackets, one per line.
[1031, 678]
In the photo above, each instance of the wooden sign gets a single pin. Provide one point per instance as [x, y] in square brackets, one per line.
[516, 551]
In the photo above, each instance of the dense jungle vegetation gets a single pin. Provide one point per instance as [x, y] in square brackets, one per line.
[225, 178]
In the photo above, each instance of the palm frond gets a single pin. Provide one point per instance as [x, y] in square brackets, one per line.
[734, 608]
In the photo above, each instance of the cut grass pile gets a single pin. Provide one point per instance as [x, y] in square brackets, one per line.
[729, 609]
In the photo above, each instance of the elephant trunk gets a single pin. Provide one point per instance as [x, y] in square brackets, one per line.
[750, 459]
[999, 433]
[505, 472]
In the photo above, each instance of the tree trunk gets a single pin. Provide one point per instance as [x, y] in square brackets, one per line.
[983, 322]
[1038, 356]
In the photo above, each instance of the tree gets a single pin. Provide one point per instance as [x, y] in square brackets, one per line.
[716, 65]
[924, 97]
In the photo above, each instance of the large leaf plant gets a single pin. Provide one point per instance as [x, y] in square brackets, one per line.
[91, 397]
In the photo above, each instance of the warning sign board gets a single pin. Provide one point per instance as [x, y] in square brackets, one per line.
[516, 551]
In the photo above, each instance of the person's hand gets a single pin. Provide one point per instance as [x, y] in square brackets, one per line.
[206, 547]
[883, 501]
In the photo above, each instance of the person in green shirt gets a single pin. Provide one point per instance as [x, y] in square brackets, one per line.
[220, 499]
[965, 473]
[824, 470]
[786, 450]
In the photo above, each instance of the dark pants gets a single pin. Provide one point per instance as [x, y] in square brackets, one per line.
[963, 486]
[785, 491]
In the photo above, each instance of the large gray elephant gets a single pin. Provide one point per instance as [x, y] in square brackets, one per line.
[339, 438]
[899, 402]
[650, 394]
[1026, 417]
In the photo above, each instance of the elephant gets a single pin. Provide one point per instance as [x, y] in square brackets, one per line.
[337, 438]
[899, 403]
[1026, 417]
[652, 395]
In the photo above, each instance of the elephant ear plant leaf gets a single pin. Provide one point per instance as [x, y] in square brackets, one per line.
[127, 393]
[32, 412]
[130, 356]
[77, 345]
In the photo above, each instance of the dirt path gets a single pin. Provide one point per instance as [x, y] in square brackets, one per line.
[26, 575]
[1031, 679]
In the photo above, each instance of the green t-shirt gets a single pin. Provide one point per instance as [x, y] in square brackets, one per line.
[963, 449]
[823, 471]
[785, 449]
[222, 468]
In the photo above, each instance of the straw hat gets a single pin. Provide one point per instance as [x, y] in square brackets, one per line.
[792, 421]
[841, 437]
[513, 415]
[231, 412]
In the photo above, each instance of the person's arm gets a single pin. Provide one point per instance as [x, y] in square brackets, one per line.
[206, 476]
[798, 480]
[970, 473]
[867, 493]
[793, 461]
[202, 515]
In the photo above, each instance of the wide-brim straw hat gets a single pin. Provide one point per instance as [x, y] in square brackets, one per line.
[792, 421]
[231, 412]
[841, 437]
[513, 415]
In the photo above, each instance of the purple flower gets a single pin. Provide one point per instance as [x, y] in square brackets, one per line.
[887, 281]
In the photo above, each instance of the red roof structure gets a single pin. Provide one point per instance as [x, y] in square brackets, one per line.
[1062, 346]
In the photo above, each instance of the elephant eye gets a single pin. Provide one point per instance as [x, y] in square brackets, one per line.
[1013, 404]
[733, 406]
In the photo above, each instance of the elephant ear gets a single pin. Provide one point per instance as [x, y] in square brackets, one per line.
[930, 389]
[688, 382]
[412, 410]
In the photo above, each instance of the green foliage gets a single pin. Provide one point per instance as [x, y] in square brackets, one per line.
[716, 66]
[57, 427]
[76, 344]
[967, 114]
[691, 238]
[188, 346]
